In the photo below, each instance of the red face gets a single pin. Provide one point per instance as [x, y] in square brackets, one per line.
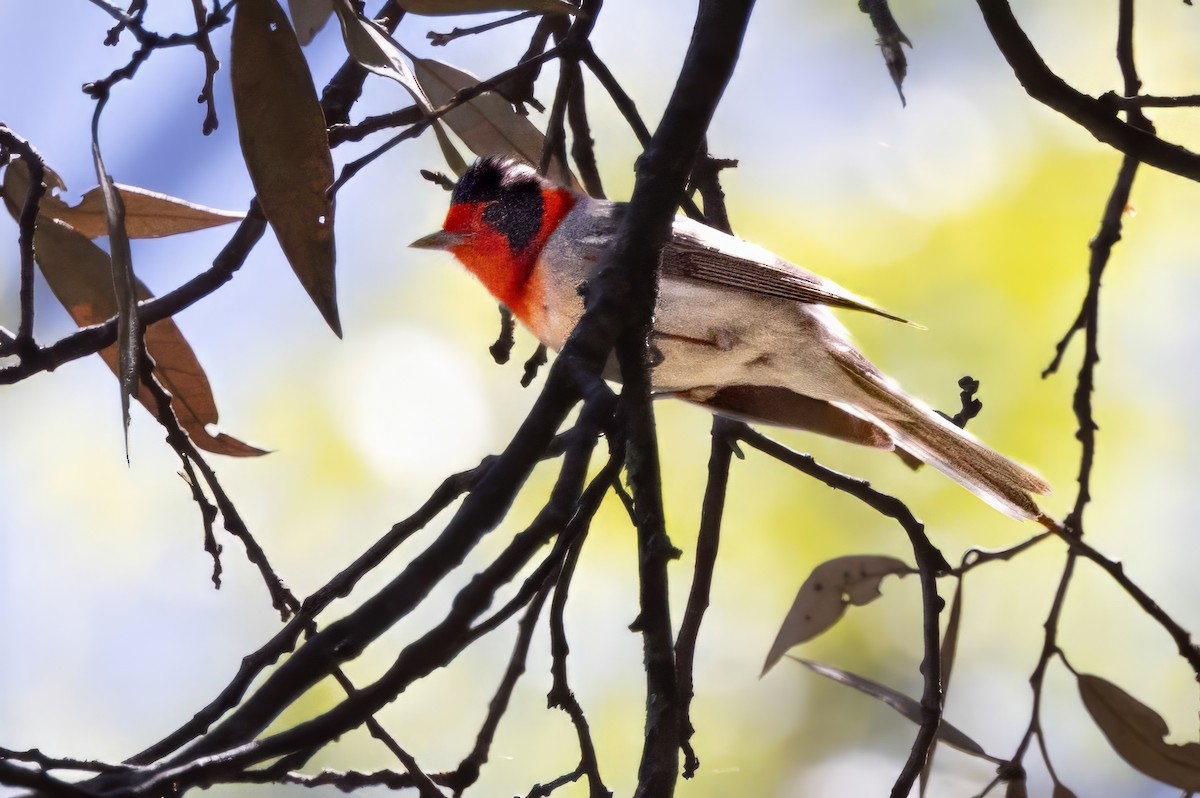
[500, 240]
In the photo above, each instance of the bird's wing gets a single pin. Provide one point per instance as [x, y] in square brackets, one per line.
[784, 408]
[702, 253]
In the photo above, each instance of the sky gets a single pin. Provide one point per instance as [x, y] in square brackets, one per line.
[969, 211]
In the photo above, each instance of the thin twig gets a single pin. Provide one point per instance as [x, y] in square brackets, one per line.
[11, 143]
[282, 599]
[930, 565]
[467, 773]
[582, 145]
[442, 39]
[211, 65]
[707, 543]
[45, 762]
[1093, 115]
[1133, 102]
[561, 695]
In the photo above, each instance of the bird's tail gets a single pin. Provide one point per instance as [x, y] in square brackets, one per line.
[1000, 482]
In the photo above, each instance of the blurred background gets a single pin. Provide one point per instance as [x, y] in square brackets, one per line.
[969, 211]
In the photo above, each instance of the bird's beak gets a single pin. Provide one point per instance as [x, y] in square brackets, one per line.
[439, 240]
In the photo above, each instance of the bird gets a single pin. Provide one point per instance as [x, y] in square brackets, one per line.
[737, 329]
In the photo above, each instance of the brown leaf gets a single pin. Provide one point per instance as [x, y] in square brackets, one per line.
[148, 214]
[78, 273]
[829, 590]
[375, 49]
[1136, 732]
[908, 707]
[309, 17]
[453, 158]
[282, 131]
[487, 124]
[435, 8]
[1061, 791]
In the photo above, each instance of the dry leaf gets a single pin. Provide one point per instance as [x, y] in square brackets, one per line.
[373, 48]
[487, 124]
[1136, 732]
[78, 273]
[129, 324]
[1061, 791]
[908, 707]
[454, 159]
[148, 214]
[282, 131]
[437, 8]
[309, 17]
[829, 590]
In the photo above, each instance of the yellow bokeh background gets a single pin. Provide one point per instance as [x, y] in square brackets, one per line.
[969, 211]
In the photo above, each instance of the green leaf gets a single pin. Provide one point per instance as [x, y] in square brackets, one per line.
[282, 132]
[829, 590]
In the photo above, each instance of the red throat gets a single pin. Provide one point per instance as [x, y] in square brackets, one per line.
[511, 275]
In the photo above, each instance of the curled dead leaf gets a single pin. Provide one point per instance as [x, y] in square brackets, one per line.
[78, 273]
[829, 590]
[129, 324]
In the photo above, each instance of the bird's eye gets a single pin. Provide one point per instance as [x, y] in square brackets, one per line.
[517, 216]
[495, 215]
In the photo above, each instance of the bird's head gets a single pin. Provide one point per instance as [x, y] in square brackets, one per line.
[501, 214]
